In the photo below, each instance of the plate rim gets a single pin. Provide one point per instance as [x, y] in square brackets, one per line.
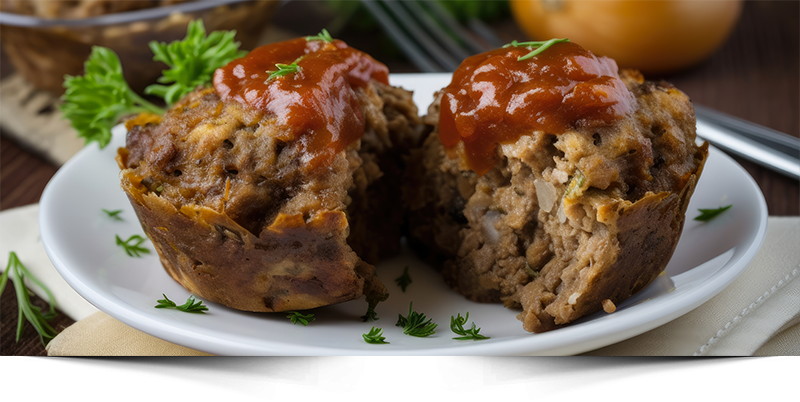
[590, 340]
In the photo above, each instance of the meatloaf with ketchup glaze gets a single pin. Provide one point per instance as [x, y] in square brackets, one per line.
[557, 183]
[275, 193]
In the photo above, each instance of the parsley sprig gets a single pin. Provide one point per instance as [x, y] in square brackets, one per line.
[709, 214]
[192, 305]
[536, 47]
[99, 99]
[415, 324]
[374, 336]
[457, 326]
[26, 309]
[132, 245]
[192, 61]
[96, 101]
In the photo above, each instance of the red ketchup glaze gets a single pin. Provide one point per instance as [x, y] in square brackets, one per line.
[494, 99]
[316, 105]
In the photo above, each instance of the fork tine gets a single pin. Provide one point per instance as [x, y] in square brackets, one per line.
[409, 48]
[455, 27]
[485, 32]
[433, 48]
[436, 30]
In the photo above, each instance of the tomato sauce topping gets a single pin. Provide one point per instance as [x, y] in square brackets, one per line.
[494, 99]
[316, 105]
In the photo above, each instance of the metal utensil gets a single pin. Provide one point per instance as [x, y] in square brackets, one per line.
[764, 146]
[436, 42]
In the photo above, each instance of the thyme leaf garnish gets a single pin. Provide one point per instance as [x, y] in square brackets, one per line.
[536, 47]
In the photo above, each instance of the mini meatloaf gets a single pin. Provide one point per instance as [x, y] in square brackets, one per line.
[275, 192]
[554, 183]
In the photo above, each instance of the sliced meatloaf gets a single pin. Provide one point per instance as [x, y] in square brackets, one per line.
[238, 214]
[562, 223]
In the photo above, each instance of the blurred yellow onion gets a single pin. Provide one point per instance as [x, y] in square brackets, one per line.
[655, 36]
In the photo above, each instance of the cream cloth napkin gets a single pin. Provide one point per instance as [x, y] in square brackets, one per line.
[758, 314]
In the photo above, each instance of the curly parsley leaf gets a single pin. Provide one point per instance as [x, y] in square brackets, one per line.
[403, 280]
[192, 61]
[192, 305]
[132, 245]
[98, 100]
[374, 336]
[297, 317]
[415, 324]
[26, 309]
[457, 326]
[709, 214]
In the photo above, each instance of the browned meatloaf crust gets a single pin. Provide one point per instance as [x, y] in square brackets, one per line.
[563, 225]
[236, 219]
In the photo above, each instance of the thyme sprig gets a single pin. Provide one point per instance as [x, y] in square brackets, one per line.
[286, 69]
[297, 317]
[192, 305]
[370, 315]
[113, 214]
[283, 69]
[323, 36]
[415, 324]
[457, 326]
[709, 214]
[374, 336]
[536, 47]
[403, 280]
[132, 245]
[26, 309]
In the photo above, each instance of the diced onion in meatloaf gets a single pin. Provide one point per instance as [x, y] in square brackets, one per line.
[564, 223]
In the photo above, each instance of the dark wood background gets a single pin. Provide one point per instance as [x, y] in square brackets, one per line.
[755, 75]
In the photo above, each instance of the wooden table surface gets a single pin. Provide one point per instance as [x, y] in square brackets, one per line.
[754, 76]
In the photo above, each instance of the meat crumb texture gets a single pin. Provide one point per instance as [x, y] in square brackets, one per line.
[236, 217]
[564, 224]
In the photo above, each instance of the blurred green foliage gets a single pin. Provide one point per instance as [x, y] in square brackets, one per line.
[356, 16]
[485, 10]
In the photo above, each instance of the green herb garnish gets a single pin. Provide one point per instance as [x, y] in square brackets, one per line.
[26, 310]
[192, 305]
[113, 214]
[323, 36]
[540, 46]
[374, 336]
[302, 319]
[131, 246]
[709, 214]
[370, 315]
[415, 324]
[192, 61]
[457, 326]
[403, 280]
[283, 69]
[96, 101]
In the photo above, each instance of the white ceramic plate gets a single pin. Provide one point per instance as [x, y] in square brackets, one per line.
[79, 239]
